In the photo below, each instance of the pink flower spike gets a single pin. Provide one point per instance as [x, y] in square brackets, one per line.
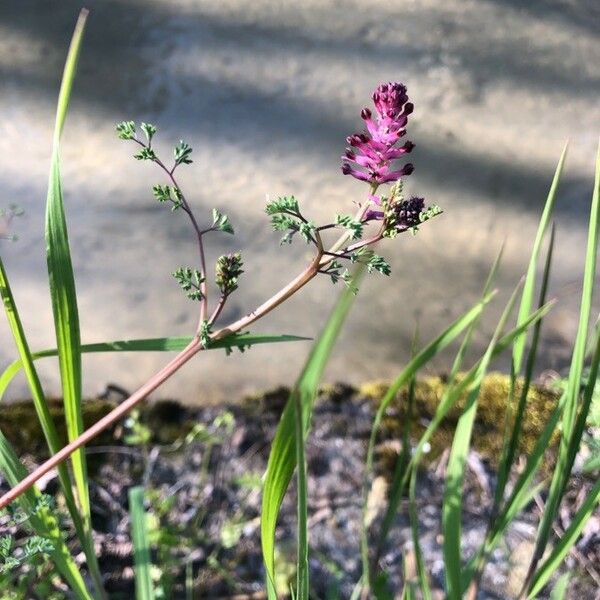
[374, 149]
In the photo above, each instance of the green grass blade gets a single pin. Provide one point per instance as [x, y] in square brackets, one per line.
[62, 281]
[521, 495]
[44, 522]
[452, 505]
[282, 458]
[566, 541]
[399, 480]
[64, 302]
[512, 430]
[433, 348]
[567, 446]
[527, 296]
[452, 394]
[514, 427]
[141, 545]
[396, 488]
[414, 527]
[487, 288]
[570, 537]
[166, 344]
[302, 574]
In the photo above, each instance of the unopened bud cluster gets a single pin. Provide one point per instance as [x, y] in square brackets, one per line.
[227, 271]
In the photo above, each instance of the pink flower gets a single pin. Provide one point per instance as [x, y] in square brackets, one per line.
[371, 153]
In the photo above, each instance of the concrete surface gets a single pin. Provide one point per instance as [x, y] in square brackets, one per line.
[266, 93]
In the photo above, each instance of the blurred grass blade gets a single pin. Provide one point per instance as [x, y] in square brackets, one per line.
[396, 487]
[455, 471]
[513, 427]
[560, 589]
[568, 441]
[529, 285]
[141, 545]
[282, 458]
[567, 541]
[414, 527]
[487, 288]
[302, 574]
[43, 522]
[433, 348]
[399, 480]
[167, 344]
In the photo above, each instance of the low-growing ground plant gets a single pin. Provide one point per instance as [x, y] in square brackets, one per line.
[382, 213]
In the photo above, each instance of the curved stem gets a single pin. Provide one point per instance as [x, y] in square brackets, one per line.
[154, 382]
[181, 359]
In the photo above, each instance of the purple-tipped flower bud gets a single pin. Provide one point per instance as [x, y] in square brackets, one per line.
[389, 98]
[408, 213]
[374, 149]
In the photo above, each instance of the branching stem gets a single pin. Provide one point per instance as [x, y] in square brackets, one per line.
[199, 233]
[318, 262]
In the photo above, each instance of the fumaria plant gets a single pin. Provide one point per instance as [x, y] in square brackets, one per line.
[372, 157]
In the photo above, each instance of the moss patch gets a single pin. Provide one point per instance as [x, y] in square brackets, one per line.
[19, 423]
[489, 426]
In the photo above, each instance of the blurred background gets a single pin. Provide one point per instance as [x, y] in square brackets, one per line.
[266, 93]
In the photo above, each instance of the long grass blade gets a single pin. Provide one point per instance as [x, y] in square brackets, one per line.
[424, 356]
[64, 302]
[282, 458]
[399, 480]
[527, 297]
[514, 427]
[39, 400]
[568, 442]
[166, 344]
[452, 506]
[512, 431]
[141, 545]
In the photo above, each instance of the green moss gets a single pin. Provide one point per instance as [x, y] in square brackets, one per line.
[19, 423]
[489, 426]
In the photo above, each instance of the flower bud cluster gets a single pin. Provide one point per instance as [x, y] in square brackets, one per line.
[227, 272]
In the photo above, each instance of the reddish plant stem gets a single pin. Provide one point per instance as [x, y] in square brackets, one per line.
[174, 365]
[218, 309]
[165, 373]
